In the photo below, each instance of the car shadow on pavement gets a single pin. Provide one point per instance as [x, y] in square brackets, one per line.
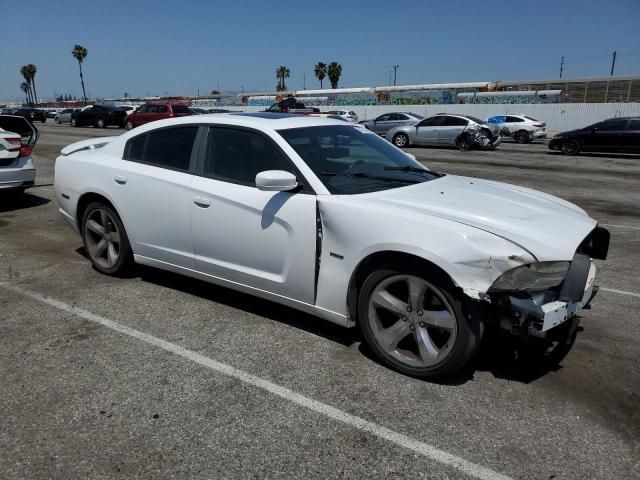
[627, 156]
[248, 303]
[9, 201]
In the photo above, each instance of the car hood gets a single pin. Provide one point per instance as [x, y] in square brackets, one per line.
[548, 227]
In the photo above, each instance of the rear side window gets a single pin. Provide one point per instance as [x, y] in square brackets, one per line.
[454, 122]
[180, 109]
[239, 155]
[511, 119]
[613, 125]
[167, 148]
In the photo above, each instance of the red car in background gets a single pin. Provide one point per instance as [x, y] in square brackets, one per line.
[156, 111]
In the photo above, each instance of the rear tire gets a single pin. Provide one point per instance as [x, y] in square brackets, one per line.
[74, 122]
[57, 120]
[105, 240]
[415, 324]
[101, 123]
[128, 125]
[401, 140]
[522, 136]
[571, 147]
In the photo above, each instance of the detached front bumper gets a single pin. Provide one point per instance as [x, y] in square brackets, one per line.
[536, 313]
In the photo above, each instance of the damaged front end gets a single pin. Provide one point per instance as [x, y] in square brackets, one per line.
[483, 137]
[532, 299]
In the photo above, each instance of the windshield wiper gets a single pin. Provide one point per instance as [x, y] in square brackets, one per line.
[366, 175]
[409, 168]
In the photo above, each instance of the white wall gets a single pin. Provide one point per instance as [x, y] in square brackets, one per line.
[558, 116]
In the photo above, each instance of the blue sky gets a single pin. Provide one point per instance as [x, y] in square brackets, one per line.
[157, 47]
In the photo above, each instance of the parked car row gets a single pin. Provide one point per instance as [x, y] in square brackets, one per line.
[31, 114]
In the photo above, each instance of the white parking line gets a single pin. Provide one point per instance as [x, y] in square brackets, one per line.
[619, 226]
[353, 421]
[621, 292]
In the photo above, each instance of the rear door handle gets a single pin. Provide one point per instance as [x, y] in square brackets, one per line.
[202, 202]
[120, 179]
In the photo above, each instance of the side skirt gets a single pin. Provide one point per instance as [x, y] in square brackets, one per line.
[329, 315]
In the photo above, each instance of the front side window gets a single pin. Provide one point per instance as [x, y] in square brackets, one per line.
[349, 160]
[167, 147]
[432, 122]
[239, 155]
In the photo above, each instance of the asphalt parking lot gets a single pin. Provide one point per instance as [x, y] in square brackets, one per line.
[159, 376]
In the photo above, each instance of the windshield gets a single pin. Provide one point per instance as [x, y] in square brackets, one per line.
[351, 160]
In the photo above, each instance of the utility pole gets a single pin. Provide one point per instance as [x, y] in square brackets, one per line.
[395, 69]
[613, 63]
[304, 81]
[561, 66]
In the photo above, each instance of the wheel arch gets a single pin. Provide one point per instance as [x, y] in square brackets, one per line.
[86, 199]
[375, 260]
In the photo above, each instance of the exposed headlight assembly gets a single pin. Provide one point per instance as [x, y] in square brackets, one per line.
[533, 277]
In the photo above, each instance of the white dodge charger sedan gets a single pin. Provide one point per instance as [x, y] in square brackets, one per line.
[333, 220]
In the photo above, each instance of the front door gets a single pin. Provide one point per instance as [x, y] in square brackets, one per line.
[608, 135]
[427, 130]
[265, 240]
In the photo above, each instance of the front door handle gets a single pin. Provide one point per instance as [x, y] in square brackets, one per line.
[202, 202]
[120, 179]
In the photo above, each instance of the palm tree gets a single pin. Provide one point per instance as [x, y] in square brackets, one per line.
[282, 73]
[320, 71]
[24, 71]
[334, 71]
[24, 86]
[80, 53]
[32, 70]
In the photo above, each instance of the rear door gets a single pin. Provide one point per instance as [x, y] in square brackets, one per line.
[265, 240]
[632, 135]
[451, 129]
[152, 190]
[610, 135]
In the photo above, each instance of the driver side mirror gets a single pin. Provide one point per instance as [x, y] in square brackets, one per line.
[276, 181]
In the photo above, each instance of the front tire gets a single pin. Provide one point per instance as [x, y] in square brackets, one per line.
[101, 123]
[571, 147]
[57, 120]
[401, 140]
[74, 122]
[415, 324]
[105, 240]
[128, 125]
[463, 142]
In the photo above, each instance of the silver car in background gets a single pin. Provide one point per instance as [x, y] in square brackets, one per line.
[64, 116]
[387, 121]
[462, 131]
[348, 115]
